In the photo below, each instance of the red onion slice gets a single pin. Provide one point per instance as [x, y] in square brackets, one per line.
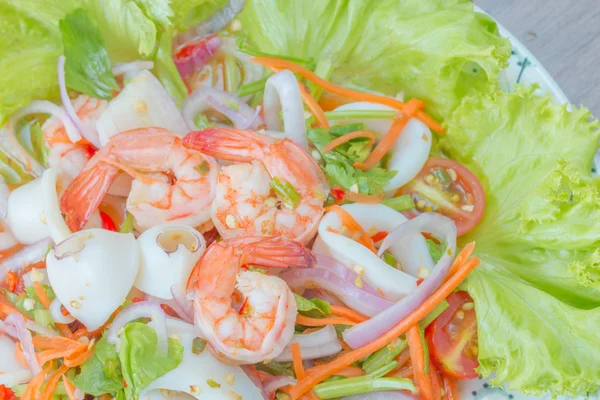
[252, 374]
[14, 325]
[321, 343]
[134, 66]
[57, 314]
[143, 309]
[26, 256]
[442, 228]
[241, 114]
[182, 306]
[193, 56]
[68, 105]
[355, 297]
[323, 295]
[333, 265]
[37, 328]
[214, 24]
[275, 383]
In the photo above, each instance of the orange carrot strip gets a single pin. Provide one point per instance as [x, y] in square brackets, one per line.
[429, 305]
[348, 137]
[349, 222]
[41, 294]
[52, 382]
[461, 258]
[297, 360]
[76, 359]
[314, 107]
[449, 388]
[391, 136]
[348, 313]
[307, 321]
[33, 387]
[406, 372]
[436, 384]
[276, 63]
[69, 388]
[417, 357]
[57, 343]
[48, 355]
[6, 309]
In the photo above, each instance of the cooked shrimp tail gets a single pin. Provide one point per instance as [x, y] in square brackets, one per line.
[227, 144]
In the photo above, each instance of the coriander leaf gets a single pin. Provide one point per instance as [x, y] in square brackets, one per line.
[314, 308]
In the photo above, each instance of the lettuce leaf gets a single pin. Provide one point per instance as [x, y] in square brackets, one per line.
[96, 376]
[537, 291]
[434, 50]
[87, 66]
[192, 12]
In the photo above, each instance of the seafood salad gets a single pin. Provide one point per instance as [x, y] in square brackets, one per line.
[287, 199]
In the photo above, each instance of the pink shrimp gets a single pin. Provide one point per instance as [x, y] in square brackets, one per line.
[246, 203]
[171, 183]
[264, 324]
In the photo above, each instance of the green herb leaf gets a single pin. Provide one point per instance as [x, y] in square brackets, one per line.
[276, 368]
[314, 308]
[288, 193]
[400, 203]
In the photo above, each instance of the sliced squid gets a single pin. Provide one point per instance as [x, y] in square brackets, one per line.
[282, 94]
[25, 213]
[92, 271]
[200, 376]
[168, 254]
[411, 253]
[143, 103]
[11, 371]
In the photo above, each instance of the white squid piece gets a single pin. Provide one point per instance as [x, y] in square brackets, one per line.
[282, 94]
[92, 272]
[412, 253]
[190, 380]
[168, 255]
[11, 371]
[410, 151]
[143, 103]
[7, 239]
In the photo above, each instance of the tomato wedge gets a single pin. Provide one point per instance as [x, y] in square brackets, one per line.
[452, 338]
[446, 187]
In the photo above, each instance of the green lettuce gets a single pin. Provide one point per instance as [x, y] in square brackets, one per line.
[189, 13]
[434, 50]
[135, 363]
[537, 291]
[314, 308]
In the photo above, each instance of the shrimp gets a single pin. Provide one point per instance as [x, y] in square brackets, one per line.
[170, 182]
[264, 324]
[69, 158]
[246, 203]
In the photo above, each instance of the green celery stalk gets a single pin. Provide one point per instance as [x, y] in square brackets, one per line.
[43, 317]
[400, 203]
[384, 356]
[360, 114]
[127, 226]
[425, 350]
[380, 372]
[286, 192]
[252, 87]
[324, 70]
[362, 384]
[245, 48]
[232, 78]
[429, 318]
[341, 130]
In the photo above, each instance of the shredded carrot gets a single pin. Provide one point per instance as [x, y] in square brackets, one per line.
[417, 357]
[297, 359]
[6, 309]
[69, 388]
[406, 372]
[307, 321]
[403, 358]
[348, 137]
[330, 101]
[436, 384]
[12, 279]
[349, 222]
[449, 388]
[77, 359]
[349, 313]
[52, 382]
[391, 136]
[41, 294]
[33, 387]
[314, 107]
[20, 356]
[48, 355]
[363, 198]
[276, 63]
[343, 361]
[461, 258]
[57, 343]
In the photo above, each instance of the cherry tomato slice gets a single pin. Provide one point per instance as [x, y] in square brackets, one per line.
[452, 338]
[446, 187]
[7, 394]
[107, 222]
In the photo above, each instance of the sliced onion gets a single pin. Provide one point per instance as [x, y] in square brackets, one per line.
[193, 56]
[68, 105]
[323, 295]
[206, 98]
[391, 395]
[355, 297]
[214, 24]
[54, 219]
[282, 94]
[46, 107]
[26, 256]
[56, 312]
[333, 265]
[37, 328]
[134, 66]
[252, 374]
[442, 228]
[14, 325]
[321, 343]
[275, 383]
[143, 309]
[182, 306]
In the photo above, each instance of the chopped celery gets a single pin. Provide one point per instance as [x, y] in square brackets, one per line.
[252, 87]
[288, 193]
[362, 384]
[275, 368]
[232, 74]
[434, 249]
[245, 48]
[390, 259]
[400, 203]
[383, 370]
[43, 317]
[127, 225]
[425, 350]
[360, 114]
[340, 130]
[384, 356]
[324, 70]
[429, 318]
